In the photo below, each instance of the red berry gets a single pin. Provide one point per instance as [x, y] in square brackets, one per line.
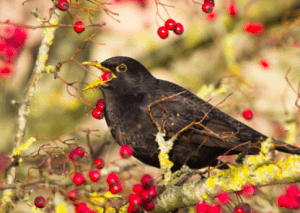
[149, 206]
[247, 114]
[239, 210]
[232, 9]
[116, 188]
[76, 153]
[242, 208]
[264, 63]
[5, 70]
[18, 38]
[249, 190]
[147, 181]
[293, 191]
[94, 175]
[133, 209]
[63, 5]
[152, 192]
[292, 203]
[214, 209]
[78, 179]
[112, 178]
[223, 197]
[163, 32]
[138, 188]
[282, 201]
[254, 28]
[145, 195]
[73, 195]
[134, 200]
[40, 202]
[207, 7]
[170, 24]
[178, 29]
[126, 151]
[97, 113]
[99, 163]
[106, 76]
[100, 104]
[212, 16]
[82, 208]
[79, 27]
[202, 207]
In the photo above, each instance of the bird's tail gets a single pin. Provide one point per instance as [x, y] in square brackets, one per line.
[284, 147]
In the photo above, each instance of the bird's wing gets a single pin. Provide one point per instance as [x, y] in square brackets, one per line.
[199, 122]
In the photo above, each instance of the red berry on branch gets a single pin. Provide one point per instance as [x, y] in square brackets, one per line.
[99, 163]
[134, 200]
[100, 104]
[138, 188]
[254, 28]
[152, 192]
[282, 201]
[79, 27]
[163, 32]
[264, 63]
[78, 179]
[249, 190]
[126, 151]
[247, 114]
[293, 191]
[223, 197]
[112, 179]
[145, 195]
[82, 208]
[94, 175]
[202, 207]
[207, 7]
[116, 188]
[214, 209]
[63, 5]
[76, 153]
[147, 181]
[97, 113]
[133, 209]
[232, 9]
[178, 30]
[149, 206]
[170, 24]
[73, 195]
[292, 203]
[40, 202]
[242, 208]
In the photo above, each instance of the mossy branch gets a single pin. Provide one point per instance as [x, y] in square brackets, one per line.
[258, 170]
[24, 109]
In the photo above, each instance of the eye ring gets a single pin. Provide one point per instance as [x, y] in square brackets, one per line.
[122, 68]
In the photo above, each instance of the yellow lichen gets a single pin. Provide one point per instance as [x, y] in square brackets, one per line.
[23, 147]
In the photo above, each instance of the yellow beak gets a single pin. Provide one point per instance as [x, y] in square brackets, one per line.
[97, 82]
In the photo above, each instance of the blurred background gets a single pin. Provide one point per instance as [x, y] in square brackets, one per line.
[218, 54]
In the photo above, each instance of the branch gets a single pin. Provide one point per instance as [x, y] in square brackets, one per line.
[24, 109]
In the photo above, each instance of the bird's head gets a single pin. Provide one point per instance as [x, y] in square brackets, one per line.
[120, 73]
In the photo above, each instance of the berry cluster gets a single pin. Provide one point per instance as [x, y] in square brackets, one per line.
[208, 6]
[78, 179]
[64, 5]
[170, 24]
[12, 38]
[113, 181]
[291, 199]
[98, 111]
[143, 195]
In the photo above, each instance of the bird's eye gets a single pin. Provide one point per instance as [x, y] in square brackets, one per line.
[122, 68]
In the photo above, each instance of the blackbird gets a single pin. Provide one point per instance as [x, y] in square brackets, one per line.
[129, 89]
